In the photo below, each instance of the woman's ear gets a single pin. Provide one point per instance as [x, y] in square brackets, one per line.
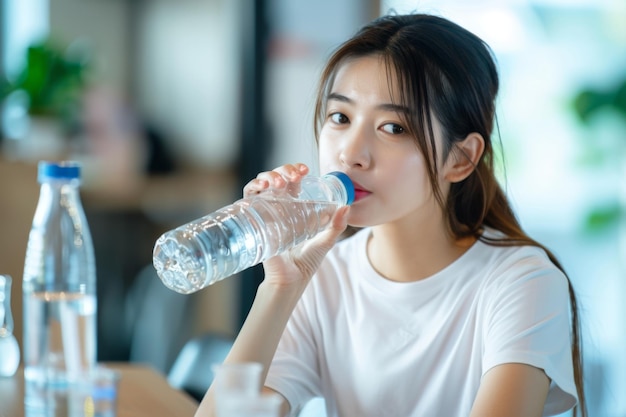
[463, 158]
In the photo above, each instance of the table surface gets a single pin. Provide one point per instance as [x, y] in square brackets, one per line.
[143, 392]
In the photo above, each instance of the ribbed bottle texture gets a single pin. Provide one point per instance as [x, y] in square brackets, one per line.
[59, 286]
[247, 232]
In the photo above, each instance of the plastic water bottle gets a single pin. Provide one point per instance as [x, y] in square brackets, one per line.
[247, 232]
[59, 286]
[9, 350]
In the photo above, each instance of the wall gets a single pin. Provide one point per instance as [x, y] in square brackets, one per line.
[188, 80]
[103, 27]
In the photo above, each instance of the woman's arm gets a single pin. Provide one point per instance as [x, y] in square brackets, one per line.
[286, 277]
[512, 390]
[259, 336]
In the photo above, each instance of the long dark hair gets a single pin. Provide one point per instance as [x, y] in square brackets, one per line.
[446, 71]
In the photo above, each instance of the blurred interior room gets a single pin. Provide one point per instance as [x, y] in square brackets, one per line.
[171, 106]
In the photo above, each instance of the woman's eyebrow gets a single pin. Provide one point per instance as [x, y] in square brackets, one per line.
[339, 97]
[396, 108]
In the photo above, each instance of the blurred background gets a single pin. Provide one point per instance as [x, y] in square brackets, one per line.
[173, 105]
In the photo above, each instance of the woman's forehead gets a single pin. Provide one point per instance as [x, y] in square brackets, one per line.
[369, 74]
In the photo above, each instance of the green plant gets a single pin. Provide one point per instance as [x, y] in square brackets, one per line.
[52, 79]
[588, 103]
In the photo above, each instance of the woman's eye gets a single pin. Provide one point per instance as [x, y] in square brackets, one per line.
[393, 128]
[339, 118]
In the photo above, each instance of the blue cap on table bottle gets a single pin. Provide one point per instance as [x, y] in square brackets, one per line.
[58, 170]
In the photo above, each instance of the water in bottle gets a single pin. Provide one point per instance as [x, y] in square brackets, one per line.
[59, 286]
[248, 232]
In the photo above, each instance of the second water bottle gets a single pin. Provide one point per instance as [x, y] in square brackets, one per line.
[248, 232]
[59, 286]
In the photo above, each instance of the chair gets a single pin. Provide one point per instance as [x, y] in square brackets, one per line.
[191, 371]
[158, 320]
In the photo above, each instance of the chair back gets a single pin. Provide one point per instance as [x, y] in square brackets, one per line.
[191, 371]
[158, 320]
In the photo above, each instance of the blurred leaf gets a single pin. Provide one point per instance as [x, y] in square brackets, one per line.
[619, 99]
[601, 218]
[588, 102]
[51, 79]
[592, 157]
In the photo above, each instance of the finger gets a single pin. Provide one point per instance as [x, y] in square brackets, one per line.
[319, 246]
[285, 177]
[338, 225]
[255, 186]
[293, 172]
[274, 179]
[294, 175]
[339, 222]
[278, 178]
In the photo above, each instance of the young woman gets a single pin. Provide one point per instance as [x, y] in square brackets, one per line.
[440, 305]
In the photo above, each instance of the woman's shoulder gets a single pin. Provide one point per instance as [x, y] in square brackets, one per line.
[509, 264]
[495, 243]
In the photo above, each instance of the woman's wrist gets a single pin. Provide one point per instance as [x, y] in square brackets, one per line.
[265, 323]
[274, 292]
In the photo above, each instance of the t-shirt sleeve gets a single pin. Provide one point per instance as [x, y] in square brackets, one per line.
[294, 369]
[529, 322]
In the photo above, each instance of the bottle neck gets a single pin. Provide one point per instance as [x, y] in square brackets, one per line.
[328, 188]
[339, 192]
[61, 183]
[57, 194]
[60, 188]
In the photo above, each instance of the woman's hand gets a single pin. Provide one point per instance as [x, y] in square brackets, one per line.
[300, 263]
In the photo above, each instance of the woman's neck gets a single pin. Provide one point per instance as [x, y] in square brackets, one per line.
[404, 254]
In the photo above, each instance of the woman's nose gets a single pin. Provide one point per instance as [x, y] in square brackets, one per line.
[355, 152]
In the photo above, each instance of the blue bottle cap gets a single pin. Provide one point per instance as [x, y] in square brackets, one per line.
[347, 182]
[67, 170]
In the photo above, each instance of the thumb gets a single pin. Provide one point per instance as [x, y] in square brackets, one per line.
[317, 248]
[337, 226]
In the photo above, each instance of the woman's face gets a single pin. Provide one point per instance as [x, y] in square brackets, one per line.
[363, 135]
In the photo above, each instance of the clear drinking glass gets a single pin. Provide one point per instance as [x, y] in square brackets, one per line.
[9, 349]
[95, 393]
[235, 383]
[264, 405]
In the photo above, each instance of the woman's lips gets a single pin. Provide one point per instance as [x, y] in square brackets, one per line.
[360, 192]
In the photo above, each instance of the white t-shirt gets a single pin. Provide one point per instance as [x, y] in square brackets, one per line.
[373, 347]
